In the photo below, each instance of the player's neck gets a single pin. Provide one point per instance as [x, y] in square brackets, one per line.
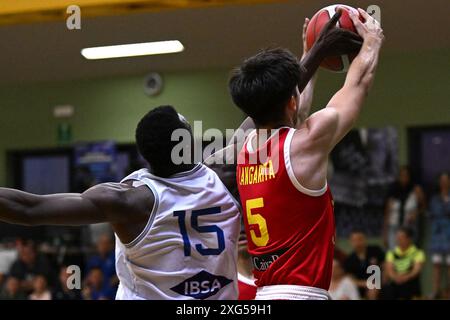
[180, 168]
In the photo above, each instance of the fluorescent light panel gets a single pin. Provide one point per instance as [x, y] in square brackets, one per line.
[133, 50]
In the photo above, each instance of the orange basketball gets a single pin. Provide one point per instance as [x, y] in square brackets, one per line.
[318, 21]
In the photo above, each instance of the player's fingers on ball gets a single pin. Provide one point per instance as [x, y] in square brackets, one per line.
[356, 22]
[305, 25]
[364, 14]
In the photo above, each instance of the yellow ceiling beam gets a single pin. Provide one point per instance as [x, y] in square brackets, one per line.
[28, 11]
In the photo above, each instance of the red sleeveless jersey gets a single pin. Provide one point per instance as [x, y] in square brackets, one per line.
[290, 229]
[247, 288]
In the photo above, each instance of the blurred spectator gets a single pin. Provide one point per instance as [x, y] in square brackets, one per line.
[28, 265]
[439, 215]
[96, 288]
[404, 265]
[404, 203]
[105, 260]
[363, 256]
[40, 289]
[342, 286]
[8, 254]
[2, 281]
[12, 291]
[62, 292]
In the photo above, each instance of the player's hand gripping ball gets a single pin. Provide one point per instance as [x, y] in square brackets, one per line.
[339, 63]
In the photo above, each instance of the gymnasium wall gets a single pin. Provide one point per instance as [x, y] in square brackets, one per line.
[109, 108]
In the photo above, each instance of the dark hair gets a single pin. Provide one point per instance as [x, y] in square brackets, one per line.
[153, 139]
[407, 231]
[264, 83]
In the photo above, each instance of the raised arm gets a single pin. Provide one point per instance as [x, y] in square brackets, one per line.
[348, 102]
[110, 202]
[224, 161]
[306, 96]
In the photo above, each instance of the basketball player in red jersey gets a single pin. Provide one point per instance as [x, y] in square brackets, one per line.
[287, 205]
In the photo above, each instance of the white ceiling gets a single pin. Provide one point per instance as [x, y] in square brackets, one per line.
[213, 37]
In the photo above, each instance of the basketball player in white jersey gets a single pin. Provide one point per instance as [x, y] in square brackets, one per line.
[176, 226]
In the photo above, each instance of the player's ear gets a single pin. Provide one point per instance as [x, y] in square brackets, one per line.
[292, 104]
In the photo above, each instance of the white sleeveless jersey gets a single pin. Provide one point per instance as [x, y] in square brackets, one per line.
[188, 250]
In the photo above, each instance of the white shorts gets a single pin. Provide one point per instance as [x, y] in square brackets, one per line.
[439, 258]
[289, 292]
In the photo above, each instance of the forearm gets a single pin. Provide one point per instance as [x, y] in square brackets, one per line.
[18, 207]
[15, 205]
[309, 65]
[362, 70]
[306, 98]
[349, 100]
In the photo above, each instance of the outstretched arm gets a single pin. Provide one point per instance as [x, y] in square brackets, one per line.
[102, 203]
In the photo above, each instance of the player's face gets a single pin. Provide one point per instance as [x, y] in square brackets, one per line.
[358, 241]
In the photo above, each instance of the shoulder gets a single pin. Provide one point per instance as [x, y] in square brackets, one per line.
[121, 196]
[419, 256]
[322, 120]
[390, 256]
[223, 164]
[108, 192]
[317, 129]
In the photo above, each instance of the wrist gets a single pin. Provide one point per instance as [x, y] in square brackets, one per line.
[373, 39]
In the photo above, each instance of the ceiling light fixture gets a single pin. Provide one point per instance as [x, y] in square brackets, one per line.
[133, 50]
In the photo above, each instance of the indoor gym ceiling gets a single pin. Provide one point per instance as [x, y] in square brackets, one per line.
[36, 45]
